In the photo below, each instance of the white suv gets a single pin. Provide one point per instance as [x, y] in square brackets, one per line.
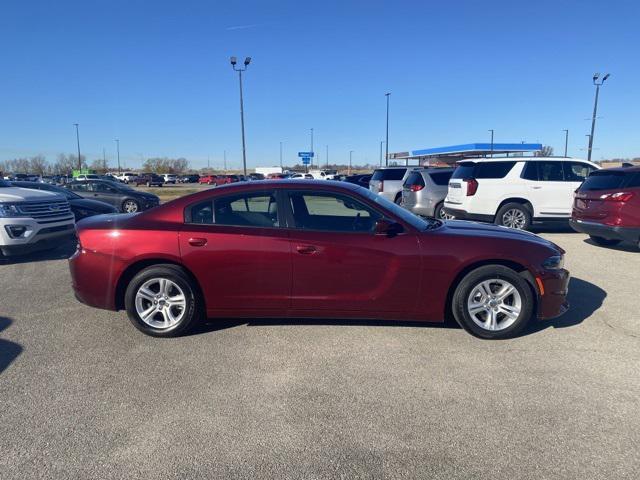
[515, 191]
[32, 220]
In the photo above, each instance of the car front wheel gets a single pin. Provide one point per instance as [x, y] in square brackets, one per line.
[493, 302]
[161, 301]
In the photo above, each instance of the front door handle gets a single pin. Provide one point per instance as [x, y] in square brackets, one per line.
[306, 249]
[536, 188]
[197, 242]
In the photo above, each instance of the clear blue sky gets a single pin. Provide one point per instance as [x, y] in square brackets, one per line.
[156, 74]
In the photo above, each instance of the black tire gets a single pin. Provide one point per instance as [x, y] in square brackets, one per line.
[438, 212]
[192, 311]
[514, 215]
[605, 242]
[499, 273]
[398, 200]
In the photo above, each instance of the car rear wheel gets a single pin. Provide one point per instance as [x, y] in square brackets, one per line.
[493, 302]
[398, 200]
[161, 301]
[130, 206]
[514, 215]
[440, 214]
[605, 242]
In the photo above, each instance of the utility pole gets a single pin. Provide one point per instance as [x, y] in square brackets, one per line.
[596, 76]
[280, 155]
[78, 141]
[327, 147]
[224, 157]
[386, 156]
[247, 60]
[381, 144]
[566, 141]
[118, 150]
[491, 130]
[311, 147]
[350, 159]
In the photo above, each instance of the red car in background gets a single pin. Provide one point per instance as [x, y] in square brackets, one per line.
[607, 206]
[317, 249]
[219, 179]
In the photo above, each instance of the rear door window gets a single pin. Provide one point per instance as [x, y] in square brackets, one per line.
[550, 172]
[464, 170]
[389, 174]
[245, 210]
[493, 169]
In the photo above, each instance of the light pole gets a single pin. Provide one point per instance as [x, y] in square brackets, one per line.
[234, 61]
[311, 147]
[224, 159]
[78, 142]
[381, 145]
[104, 160]
[491, 130]
[327, 148]
[350, 158]
[566, 141]
[598, 84]
[386, 156]
[118, 150]
[280, 155]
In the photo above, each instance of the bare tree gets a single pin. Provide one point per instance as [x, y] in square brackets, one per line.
[547, 151]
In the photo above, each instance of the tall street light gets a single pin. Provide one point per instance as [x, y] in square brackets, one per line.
[118, 150]
[78, 142]
[491, 130]
[387, 138]
[350, 159]
[311, 147]
[598, 84]
[566, 141]
[280, 155]
[234, 62]
[327, 148]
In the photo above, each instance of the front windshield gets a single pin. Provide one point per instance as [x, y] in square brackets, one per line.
[413, 220]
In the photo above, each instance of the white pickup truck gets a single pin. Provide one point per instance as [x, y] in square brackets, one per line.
[33, 220]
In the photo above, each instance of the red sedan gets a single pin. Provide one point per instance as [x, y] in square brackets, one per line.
[312, 249]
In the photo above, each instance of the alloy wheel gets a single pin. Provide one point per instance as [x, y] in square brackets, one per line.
[130, 206]
[514, 218]
[160, 303]
[494, 305]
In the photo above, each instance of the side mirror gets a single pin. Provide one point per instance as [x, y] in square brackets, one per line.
[388, 228]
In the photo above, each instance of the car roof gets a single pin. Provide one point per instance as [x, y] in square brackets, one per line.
[521, 159]
[395, 166]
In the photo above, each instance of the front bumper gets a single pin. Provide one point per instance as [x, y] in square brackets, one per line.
[552, 301]
[610, 232]
[38, 236]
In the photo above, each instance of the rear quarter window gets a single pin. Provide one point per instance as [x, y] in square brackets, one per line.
[483, 170]
[389, 174]
[441, 178]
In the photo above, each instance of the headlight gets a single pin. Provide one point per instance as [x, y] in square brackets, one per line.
[554, 263]
[9, 210]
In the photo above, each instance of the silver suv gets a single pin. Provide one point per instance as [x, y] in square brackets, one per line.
[424, 191]
[388, 182]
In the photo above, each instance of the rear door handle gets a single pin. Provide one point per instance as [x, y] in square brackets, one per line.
[536, 188]
[197, 242]
[306, 249]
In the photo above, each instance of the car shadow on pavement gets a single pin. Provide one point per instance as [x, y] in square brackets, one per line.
[584, 297]
[8, 350]
[622, 247]
[59, 253]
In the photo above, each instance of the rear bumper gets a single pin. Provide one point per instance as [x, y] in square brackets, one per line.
[93, 278]
[610, 232]
[460, 214]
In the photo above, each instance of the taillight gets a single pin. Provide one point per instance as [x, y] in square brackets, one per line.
[472, 186]
[381, 186]
[617, 197]
[416, 188]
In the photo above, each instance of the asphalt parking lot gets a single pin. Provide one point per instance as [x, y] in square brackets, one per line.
[85, 395]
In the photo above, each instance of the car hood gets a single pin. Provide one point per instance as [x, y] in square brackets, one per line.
[475, 229]
[19, 194]
[93, 205]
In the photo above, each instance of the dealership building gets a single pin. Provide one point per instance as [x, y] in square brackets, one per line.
[454, 153]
